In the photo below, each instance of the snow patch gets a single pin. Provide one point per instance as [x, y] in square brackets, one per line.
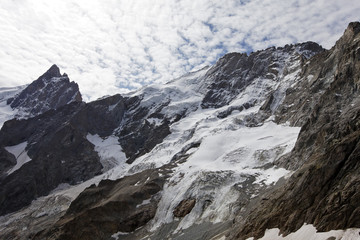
[155, 121]
[112, 107]
[309, 232]
[310, 77]
[145, 202]
[118, 234]
[6, 112]
[20, 154]
[109, 151]
[272, 175]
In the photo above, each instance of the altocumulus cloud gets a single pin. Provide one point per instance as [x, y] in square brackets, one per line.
[112, 46]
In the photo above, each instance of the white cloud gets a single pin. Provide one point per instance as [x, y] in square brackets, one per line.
[110, 46]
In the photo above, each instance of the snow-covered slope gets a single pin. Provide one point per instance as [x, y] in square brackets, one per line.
[310, 232]
[6, 112]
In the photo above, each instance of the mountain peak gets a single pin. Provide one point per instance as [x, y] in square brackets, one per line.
[354, 27]
[349, 35]
[53, 71]
[46, 93]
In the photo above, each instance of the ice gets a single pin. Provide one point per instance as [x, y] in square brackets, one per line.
[20, 154]
[118, 234]
[6, 112]
[225, 150]
[310, 77]
[109, 150]
[272, 175]
[309, 232]
[155, 121]
[145, 202]
[213, 153]
[180, 95]
[227, 147]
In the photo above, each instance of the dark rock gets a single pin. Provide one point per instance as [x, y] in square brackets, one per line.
[61, 156]
[235, 71]
[100, 117]
[7, 161]
[58, 147]
[183, 155]
[230, 110]
[184, 207]
[50, 91]
[137, 136]
[121, 205]
[141, 138]
[53, 71]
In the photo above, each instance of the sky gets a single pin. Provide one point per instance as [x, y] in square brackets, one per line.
[115, 46]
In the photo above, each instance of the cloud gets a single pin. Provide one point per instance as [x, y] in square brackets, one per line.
[111, 46]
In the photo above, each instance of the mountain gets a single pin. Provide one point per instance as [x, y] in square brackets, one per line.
[50, 91]
[324, 189]
[262, 141]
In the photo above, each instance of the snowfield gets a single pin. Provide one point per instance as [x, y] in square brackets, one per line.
[6, 112]
[309, 232]
[20, 154]
[109, 151]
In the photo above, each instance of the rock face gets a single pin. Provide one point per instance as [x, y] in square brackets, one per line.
[113, 206]
[59, 153]
[184, 207]
[50, 91]
[138, 136]
[56, 140]
[236, 71]
[324, 190]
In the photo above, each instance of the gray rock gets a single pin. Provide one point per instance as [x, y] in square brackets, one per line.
[184, 207]
[100, 211]
[50, 91]
[235, 71]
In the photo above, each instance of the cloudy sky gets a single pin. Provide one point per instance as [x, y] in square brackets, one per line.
[111, 46]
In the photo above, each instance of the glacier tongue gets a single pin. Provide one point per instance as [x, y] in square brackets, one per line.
[228, 156]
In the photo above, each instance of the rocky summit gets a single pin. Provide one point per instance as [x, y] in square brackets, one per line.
[50, 91]
[263, 145]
